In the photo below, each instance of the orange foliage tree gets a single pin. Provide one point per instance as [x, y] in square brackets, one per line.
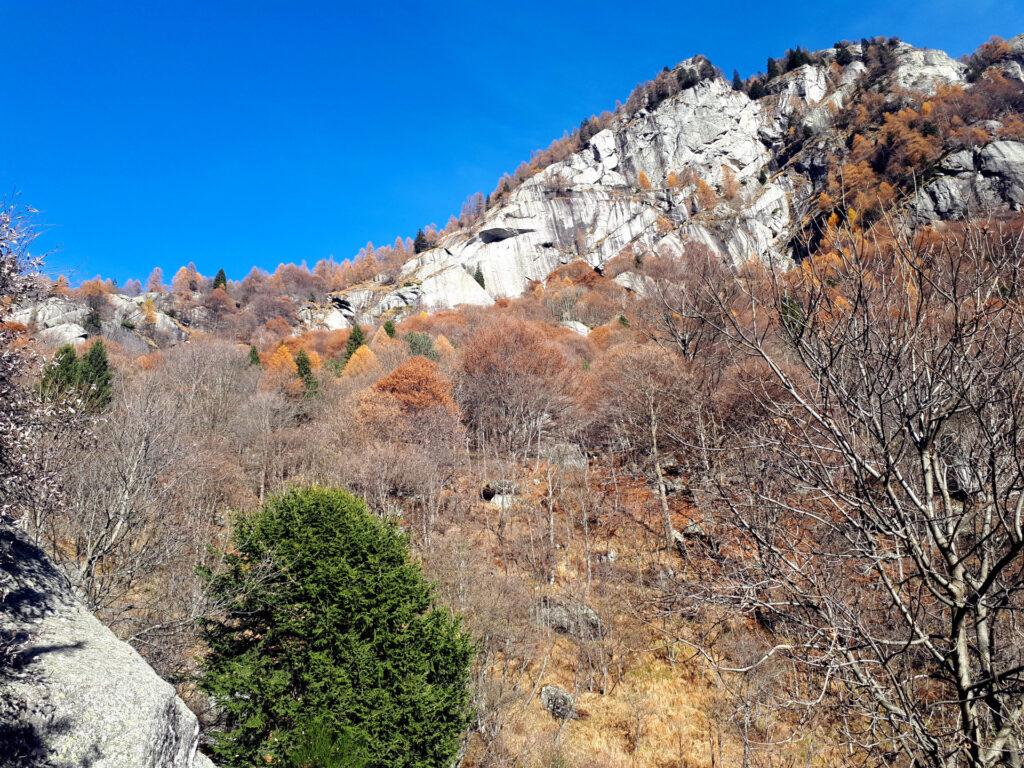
[417, 385]
[512, 383]
[362, 363]
[413, 403]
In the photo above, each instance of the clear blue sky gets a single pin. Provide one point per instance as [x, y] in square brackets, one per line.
[249, 133]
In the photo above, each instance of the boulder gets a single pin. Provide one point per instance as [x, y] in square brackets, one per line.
[570, 617]
[73, 694]
[559, 702]
[632, 282]
[65, 333]
[575, 326]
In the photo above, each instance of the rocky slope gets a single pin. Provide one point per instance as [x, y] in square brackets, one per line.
[737, 171]
[71, 693]
[617, 191]
[137, 323]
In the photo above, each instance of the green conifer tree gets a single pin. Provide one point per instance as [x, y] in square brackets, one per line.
[60, 376]
[329, 628]
[96, 376]
[356, 339]
[389, 328]
[479, 276]
[254, 356]
[421, 344]
[420, 244]
[304, 370]
[220, 280]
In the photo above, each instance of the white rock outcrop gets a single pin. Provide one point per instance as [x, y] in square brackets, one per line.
[592, 205]
[589, 206]
[925, 69]
[137, 323]
[326, 318]
[51, 312]
[972, 182]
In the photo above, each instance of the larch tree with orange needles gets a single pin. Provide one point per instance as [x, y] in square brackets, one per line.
[362, 363]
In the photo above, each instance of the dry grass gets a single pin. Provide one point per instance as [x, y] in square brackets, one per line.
[661, 706]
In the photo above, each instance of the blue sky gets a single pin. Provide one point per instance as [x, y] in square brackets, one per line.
[240, 134]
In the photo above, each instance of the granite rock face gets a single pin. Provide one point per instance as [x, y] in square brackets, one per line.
[925, 69]
[590, 205]
[71, 693]
[137, 323]
[614, 193]
[975, 182]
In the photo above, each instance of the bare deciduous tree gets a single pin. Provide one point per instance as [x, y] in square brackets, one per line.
[874, 516]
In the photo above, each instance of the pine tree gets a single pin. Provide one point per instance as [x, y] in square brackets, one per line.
[96, 376]
[479, 276]
[774, 70]
[330, 631]
[737, 81]
[254, 356]
[389, 328]
[220, 280]
[797, 58]
[60, 377]
[420, 244]
[355, 340]
[421, 344]
[304, 370]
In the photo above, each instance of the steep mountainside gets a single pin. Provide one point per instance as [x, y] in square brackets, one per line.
[709, 165]
[749, 170]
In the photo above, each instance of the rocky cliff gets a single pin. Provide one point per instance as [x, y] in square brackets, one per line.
[636, 183]
[71, 693]
[737, 170]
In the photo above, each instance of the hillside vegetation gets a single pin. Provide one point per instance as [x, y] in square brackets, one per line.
[742, 490]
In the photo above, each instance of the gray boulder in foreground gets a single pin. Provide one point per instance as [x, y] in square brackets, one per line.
[71, 693]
